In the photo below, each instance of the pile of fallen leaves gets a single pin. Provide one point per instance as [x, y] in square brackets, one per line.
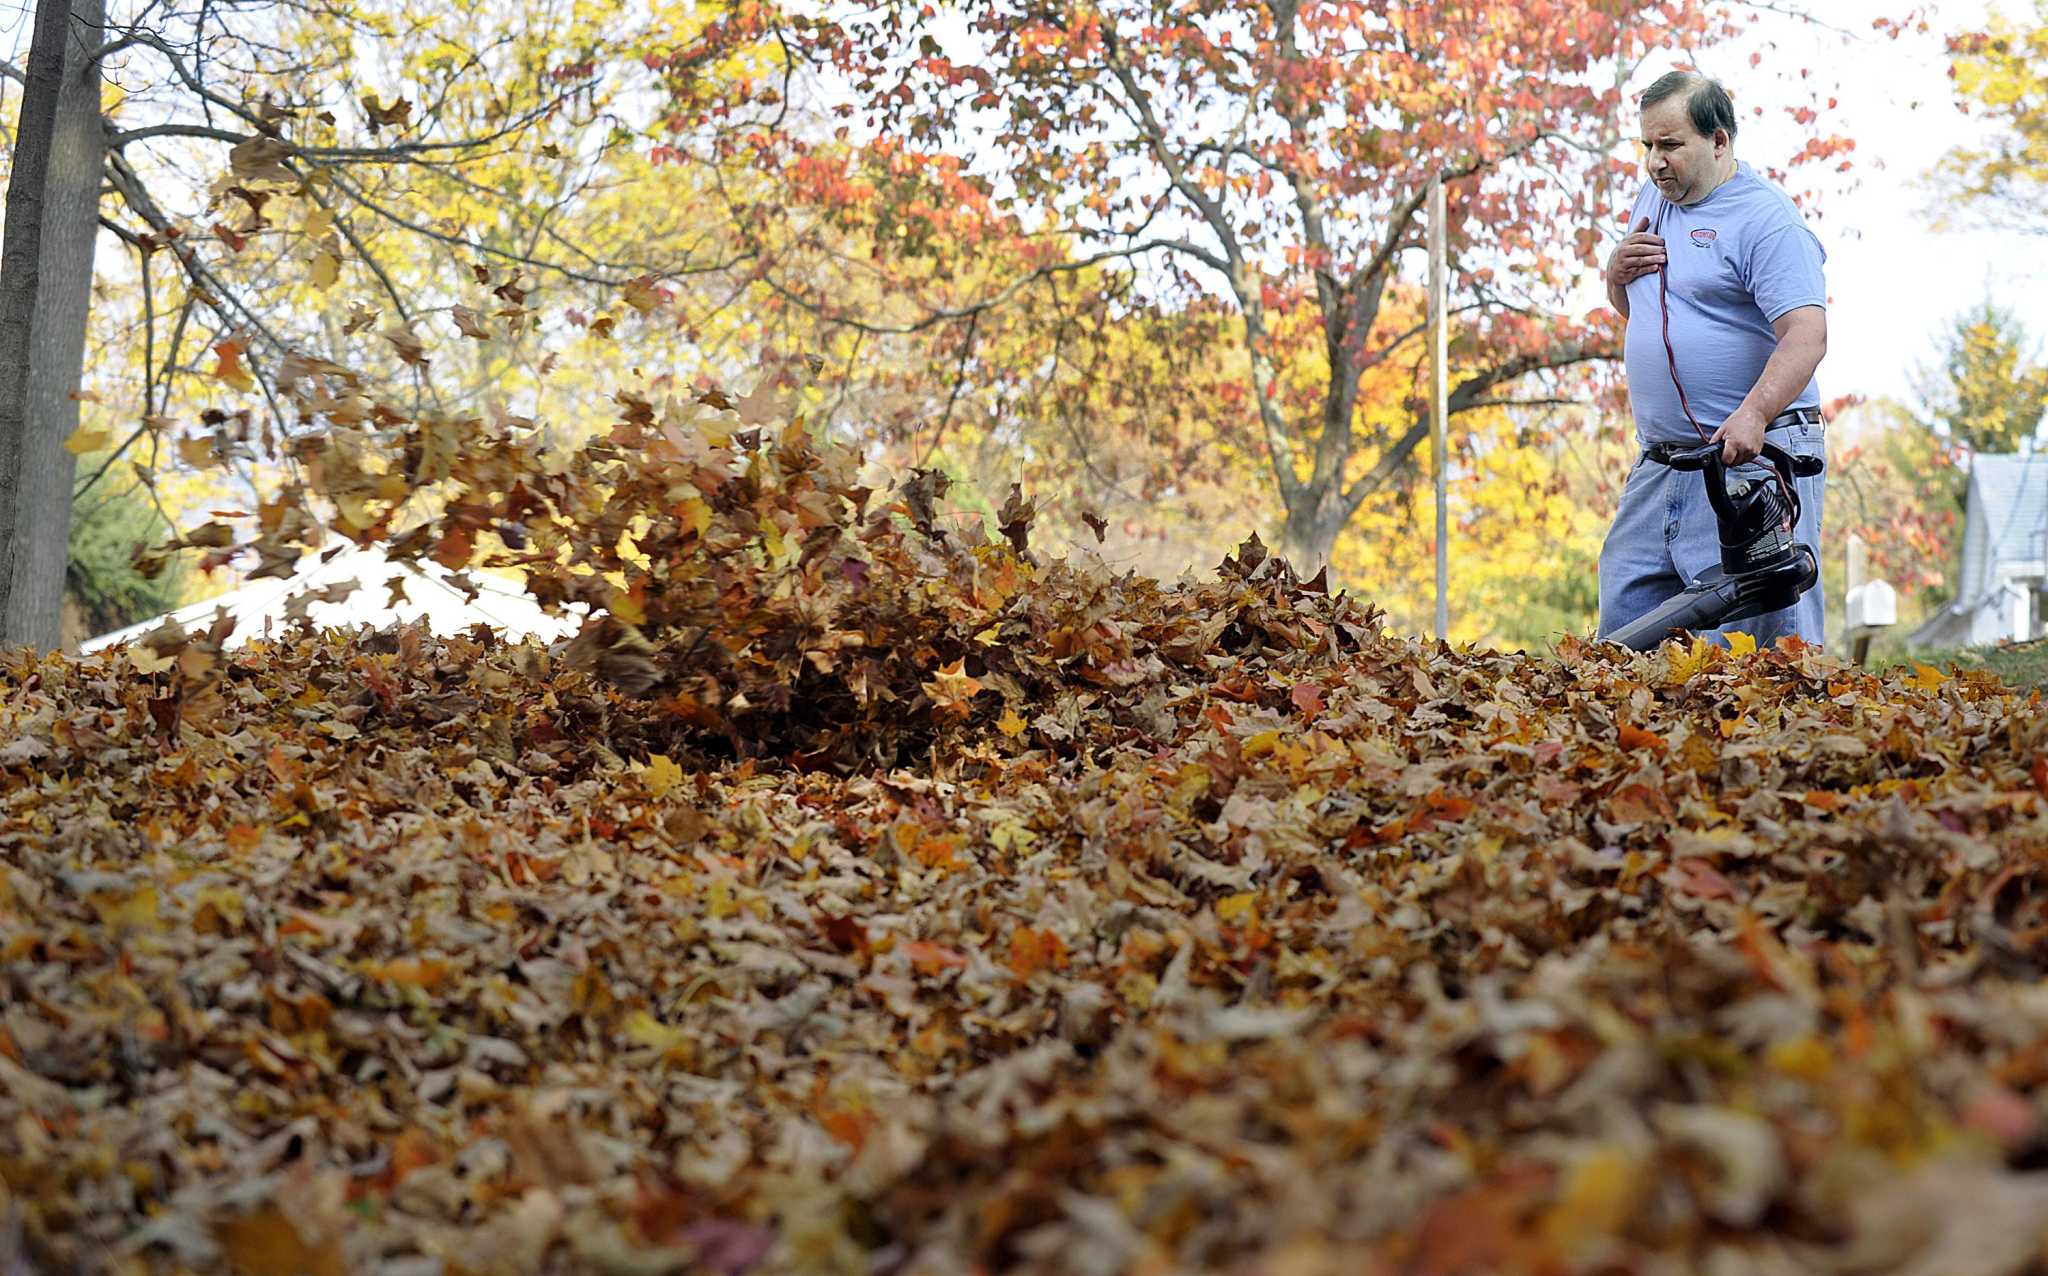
[857, 895]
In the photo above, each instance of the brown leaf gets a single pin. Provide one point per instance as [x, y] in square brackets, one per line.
[261, 159]
[1014, 520]
[395, 114]
[470, 323]
[407, 345]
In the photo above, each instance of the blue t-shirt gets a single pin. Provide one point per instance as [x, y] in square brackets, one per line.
[1736, 261]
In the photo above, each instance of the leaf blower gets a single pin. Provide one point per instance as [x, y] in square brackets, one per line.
[1762, 568]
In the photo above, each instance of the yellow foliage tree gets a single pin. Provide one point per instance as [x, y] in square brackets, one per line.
[2001, 73]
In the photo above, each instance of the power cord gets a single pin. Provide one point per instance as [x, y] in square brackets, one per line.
[1671, 358]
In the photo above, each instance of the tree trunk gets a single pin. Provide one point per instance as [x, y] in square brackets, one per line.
[1313, 524]
[69, 229]
[20, 270]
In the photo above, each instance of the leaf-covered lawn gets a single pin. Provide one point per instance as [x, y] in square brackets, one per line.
[2023, 664]
[895, 903]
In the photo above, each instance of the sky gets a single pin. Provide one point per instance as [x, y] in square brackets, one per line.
[1894, 279]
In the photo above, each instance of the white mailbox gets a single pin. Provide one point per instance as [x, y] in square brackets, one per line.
[1871, 604]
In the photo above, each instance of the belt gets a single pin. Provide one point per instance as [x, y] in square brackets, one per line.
[1795, 416]
[1789, 417]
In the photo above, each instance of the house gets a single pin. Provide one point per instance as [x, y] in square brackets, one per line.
[2000, 588]
[353, 585]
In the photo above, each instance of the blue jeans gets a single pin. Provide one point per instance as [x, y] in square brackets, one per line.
[1665, 535]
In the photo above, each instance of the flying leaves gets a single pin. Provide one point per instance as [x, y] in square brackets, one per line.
[261, 159]
[89, 438]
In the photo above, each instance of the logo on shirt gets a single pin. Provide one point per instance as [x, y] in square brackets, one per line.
[1702, 237]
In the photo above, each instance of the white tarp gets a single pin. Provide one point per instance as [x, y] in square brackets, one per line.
[351, 586]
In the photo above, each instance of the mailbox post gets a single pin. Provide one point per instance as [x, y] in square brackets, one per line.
[1869, 606]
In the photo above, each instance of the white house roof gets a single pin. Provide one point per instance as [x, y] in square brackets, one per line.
[2014, 490]
[2007, 525]
[351, 586]
[1953, 624]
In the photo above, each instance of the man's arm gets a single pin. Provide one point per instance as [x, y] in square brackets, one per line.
[1802, 343]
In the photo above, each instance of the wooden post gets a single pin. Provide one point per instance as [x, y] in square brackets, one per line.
[1858, 573]
[1439, 372]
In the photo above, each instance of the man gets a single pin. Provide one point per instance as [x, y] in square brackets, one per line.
[1721, 261]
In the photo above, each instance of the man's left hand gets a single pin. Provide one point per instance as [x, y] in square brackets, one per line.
[1741, 437]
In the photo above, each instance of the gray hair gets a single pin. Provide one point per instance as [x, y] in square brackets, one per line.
[1706, 103]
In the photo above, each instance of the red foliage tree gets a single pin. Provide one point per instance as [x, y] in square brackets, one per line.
[1271, 153]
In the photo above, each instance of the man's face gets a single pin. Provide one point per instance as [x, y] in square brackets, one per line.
[1683, 164]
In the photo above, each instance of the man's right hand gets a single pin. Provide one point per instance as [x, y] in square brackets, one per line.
[1641, 253]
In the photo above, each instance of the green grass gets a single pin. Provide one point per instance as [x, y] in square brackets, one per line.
[2021, 664]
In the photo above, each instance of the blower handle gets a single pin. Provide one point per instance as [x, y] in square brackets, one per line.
[1707, 456]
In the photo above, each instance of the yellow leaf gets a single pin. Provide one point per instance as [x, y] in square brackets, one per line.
[146, 660]
[1261, 744]
[89, 438]
[266, 1243]
[326, 269]
[129, 913]
[644, 1029]
[772, 541]
[1806, 1057]
[660, 775]
[221, 906]
[1005, 837]
[718, 900]
[694, 514]
[1927, 678]
[1741, 644]
[1241, 909]
[627, 608]
[1010, 724]
[318, 222]
[1597, 1199]
[1689, 661]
